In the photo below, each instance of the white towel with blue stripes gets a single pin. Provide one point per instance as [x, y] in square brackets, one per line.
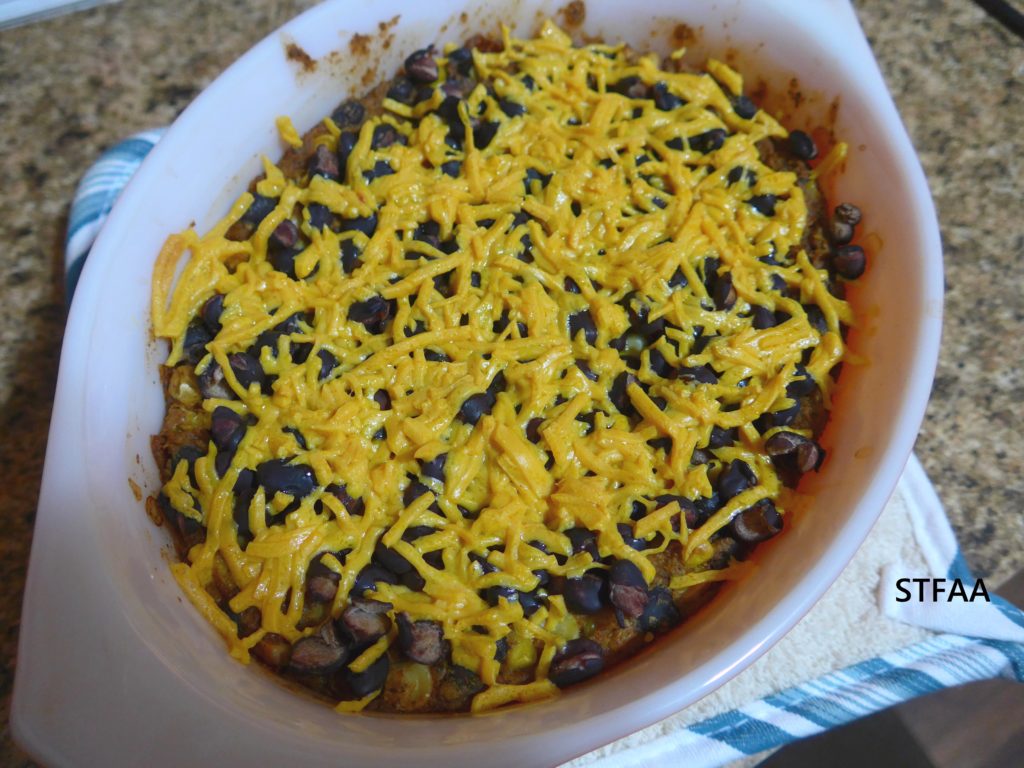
[975, 641]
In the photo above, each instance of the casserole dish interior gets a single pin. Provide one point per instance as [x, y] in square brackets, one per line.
[158, 684]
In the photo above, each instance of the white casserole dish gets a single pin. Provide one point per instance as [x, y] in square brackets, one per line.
[116, 668]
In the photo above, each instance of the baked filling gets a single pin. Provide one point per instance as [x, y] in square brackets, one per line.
[484, 386]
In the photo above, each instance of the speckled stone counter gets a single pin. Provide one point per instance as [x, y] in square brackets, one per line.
[74, 85]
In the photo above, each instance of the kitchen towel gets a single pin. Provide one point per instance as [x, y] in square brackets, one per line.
[858, 651]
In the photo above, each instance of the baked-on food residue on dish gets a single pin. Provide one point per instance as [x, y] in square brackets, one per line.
[482, 388]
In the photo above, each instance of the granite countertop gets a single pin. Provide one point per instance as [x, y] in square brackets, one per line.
[76, 84]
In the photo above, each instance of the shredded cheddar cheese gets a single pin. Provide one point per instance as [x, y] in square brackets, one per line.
[587, 216]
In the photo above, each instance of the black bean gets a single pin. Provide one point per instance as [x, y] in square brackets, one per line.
[197, 336]
[188, 454]
[370, 576]
[736, 478]
[227, 429]
[686, 508]
[284, 236]
[418, 328]
[583, 594]
[840, 232]
[346, 143]
[365, 224]
[578, 660]
[816, 317]
[351, 685]
[299, 351]
[373, 313]
[352, 505]
[380, 168]
[453, 168]
[365, 621]
[724, 293]
[350, 260]
[435, 467]
[627, 589]
[849, 261]
[802, 146]
[279, 476]
[421, 641]
[664, 99]
[757, 523]
[529, 601]
[706, 506]
[421, 65]
[848, 213]
[243, 490]
[703, 374]
[384, 135]
[321, 582]
[320, 216]
[661, 613]
[619, 394]
[481, 560]
[763, 204]
[721, 438]
[626, 532]
[807, 453]
[404, 91]
[762, 317]
[532, 174]
[511, 108]
[319, 654]
[323, 163]
[782, 417]
[413, 491]
[661, 444]
[350, 112]
[476, 406]
[283, 260]
[248, 621]
[743, 107]
[701, 456]
[435, 559]
[247, 369]
[383, 399]
[211, 311]
[428, 232]
[390, 559]
[533, 429]
[583, 321]
[587, 371]
[461, 61]
[413, 580]
[640, 322]
[259, 209]
[632, 87]
[708, 141]
[484, 133]
[456, 89]
[328, 362]
[583, 540]
[494, 594]
[435, 356]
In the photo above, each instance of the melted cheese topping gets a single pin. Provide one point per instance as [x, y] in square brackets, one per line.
[589, 202]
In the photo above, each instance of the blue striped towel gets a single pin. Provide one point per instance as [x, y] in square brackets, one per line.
[978, 640]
